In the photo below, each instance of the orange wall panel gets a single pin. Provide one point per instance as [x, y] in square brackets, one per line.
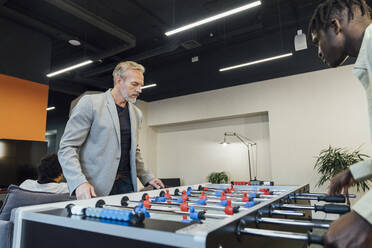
[22, 109]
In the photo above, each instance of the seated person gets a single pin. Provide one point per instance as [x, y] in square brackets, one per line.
[49, 177]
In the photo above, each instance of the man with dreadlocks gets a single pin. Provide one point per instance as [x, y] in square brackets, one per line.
[341, 28]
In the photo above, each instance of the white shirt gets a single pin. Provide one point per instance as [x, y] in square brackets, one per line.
[33, 185]
[363, 170]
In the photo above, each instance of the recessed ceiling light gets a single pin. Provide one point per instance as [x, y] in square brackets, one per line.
[74, 42]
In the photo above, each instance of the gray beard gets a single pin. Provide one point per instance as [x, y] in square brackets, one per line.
[131, 100]
[127, 98]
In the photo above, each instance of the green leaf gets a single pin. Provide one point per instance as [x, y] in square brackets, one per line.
[218, 177]
[332, 161]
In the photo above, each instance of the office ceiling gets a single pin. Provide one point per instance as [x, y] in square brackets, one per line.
[115, 30]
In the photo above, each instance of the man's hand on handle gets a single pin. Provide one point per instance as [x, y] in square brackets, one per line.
[350, 230]
[341, 181]
[157, 183]
[85, 191]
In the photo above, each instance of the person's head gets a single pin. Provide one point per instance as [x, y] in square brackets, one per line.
[128, 80]
[334, 27]
[50, 169]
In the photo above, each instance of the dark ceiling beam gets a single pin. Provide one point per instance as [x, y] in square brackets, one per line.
[246, 30]
[76, 10]
[97, 21]
[242, 32]
[102, 84]
[2, 2]
[77, 85]
[60, 86]
[48, 30]
[295, 11]
[98, 71]
[149, 12]
[111, 53]
[258, 27]
[145, 55]
[169, 48]
[76, 80]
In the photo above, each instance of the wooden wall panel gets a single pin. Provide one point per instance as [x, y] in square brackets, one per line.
[22, 109]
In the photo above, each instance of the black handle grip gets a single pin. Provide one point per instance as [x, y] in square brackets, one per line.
[314, 239]
[336, 198]
[333, 209]
[276, 205]
[236, 209]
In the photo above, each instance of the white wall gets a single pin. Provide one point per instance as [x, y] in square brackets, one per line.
[307, 112]
[147, 143]
[193, 150]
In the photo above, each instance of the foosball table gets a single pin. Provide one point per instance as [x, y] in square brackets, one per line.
[209, 215]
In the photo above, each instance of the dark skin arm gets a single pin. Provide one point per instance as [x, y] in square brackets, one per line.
[350, 230]
[341, 181]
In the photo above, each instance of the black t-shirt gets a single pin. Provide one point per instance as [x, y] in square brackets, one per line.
[125, 137]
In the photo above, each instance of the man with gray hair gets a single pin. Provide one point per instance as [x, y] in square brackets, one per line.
[98, 152]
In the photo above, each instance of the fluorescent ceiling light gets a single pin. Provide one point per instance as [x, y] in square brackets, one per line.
[213, 18]
[256, 62]
[50, 108]
[148, 86]
[70, 68]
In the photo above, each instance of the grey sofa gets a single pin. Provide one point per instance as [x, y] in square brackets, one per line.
[18, 197]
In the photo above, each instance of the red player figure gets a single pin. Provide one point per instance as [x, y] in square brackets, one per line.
[267, 193]
[203, 196]
[229, 210]
[223, 197]
[167, 195]
[184, 197]
[184, 207]
[146, 202]
[245, 197]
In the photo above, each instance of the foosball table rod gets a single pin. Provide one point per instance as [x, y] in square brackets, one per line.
[327, 208]
[280, 212]
[326, 198]
[309, 238]
[321, 194]
[201, 214]
[205, 207]
[236, 191]
[291, 222]
[235, 196]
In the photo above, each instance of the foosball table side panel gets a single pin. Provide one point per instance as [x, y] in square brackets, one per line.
[42, 235]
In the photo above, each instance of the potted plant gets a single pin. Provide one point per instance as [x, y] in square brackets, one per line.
[332, 161]
[218, 177]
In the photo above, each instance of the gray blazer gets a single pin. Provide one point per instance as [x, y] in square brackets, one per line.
[90, 146]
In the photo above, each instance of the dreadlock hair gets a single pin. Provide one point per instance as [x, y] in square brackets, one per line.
[323, 13]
